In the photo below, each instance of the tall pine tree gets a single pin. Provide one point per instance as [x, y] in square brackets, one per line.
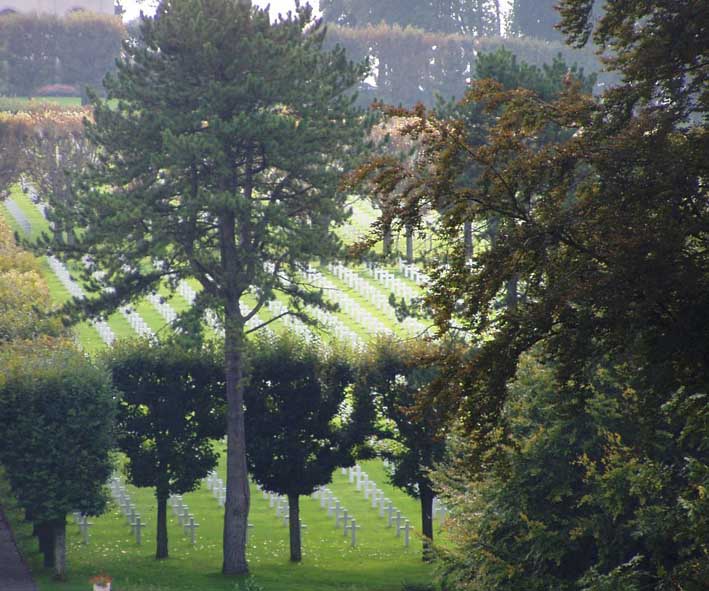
[221, 150]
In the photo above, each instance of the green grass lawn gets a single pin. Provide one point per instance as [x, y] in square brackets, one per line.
[378, 563]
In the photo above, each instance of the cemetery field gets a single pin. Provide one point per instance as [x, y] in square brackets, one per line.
[379, 562]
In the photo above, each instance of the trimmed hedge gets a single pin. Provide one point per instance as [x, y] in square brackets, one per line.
[41, 50]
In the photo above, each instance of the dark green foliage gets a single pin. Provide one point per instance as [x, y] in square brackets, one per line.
[37, 50]
[171, 408]
[57, 411]
[222, 153]
[573, 501]
[301, 423]
[473, 17]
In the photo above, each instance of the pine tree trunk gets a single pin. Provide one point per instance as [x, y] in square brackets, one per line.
[294, 526]
[236, 510]
[468, 240]
[162, 549]
[409, 244]
[426, 495]
[59, 531]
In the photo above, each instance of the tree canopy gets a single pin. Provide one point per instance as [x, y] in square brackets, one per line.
[475, 17]
[602, 226]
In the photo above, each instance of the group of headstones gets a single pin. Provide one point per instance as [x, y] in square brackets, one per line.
[376, 296]
[380, 501]
[343, 519]
[281, 505]
[121, 496]
[62, 273]
[136, 322]
[84, 524]
[217, 487]
[411, 272]
[165, 309]
[336, 326]
[185, 519]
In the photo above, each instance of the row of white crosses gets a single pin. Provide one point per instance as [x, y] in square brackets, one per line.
[379, 499]
[62, 273]
[217, 487]
[280, 503]
[190, 294]
[84, 524]
[184, 518]
[19, 216]
[412, 273]
[165, 309]
[335, 509]
[120, 494]
[329, 320]
[375, 295]
[136, 322]
[359, 314]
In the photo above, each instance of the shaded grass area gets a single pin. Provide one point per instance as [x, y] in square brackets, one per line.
[378, 563]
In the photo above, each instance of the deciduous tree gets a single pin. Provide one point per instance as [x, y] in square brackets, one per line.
[170, 411]
[396, 376]
[300, 421]
[57, 411]
[604, 229]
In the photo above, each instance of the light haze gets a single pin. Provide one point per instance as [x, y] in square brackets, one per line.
[133, 7]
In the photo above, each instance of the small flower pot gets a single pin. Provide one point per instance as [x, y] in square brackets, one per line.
[99, 587]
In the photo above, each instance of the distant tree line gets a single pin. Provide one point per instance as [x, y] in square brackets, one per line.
[46, 54]
[412, 65]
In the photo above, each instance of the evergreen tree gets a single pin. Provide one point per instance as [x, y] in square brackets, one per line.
[221, 148]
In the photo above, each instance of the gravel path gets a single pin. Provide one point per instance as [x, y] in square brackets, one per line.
[14, 574]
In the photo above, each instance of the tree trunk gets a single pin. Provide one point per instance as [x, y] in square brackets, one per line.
[387, 239]
[59, 530]
[294, 527]
[468, 240]
[426, 495]
[236, 509]
[45, 537]
[409, 244]
[161, 550]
